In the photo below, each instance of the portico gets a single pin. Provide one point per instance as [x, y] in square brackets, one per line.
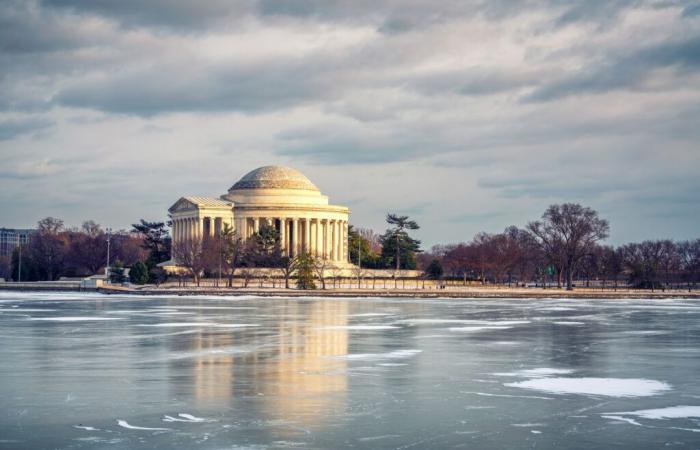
[279, 197]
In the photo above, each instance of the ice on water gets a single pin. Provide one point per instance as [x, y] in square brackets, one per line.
[243, 372]
[609, 387]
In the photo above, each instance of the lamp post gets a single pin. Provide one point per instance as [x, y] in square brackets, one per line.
[359, 260]
[221, 250]
[19, 266]
[109, 238]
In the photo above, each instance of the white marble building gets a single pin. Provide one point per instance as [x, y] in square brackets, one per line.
[281, 197]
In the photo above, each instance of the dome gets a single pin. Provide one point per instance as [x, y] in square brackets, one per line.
[274, 177]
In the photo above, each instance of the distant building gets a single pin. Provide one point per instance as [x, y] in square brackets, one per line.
[11, 237]
[280, 197]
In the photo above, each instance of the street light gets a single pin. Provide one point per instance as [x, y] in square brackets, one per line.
[109, 238]
[19, 268]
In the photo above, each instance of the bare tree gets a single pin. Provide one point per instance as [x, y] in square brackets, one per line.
[189, 253]
[48, 247]
[643, 261]
[321, 265]
[372, 238]
[286, 268]
[232, 251]
[569, 230]
[689, 254]
[358, 273]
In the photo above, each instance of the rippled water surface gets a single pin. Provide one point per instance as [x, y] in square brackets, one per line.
[89, 371]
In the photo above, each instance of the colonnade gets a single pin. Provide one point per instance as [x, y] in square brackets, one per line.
[321, 238]
[197, 227]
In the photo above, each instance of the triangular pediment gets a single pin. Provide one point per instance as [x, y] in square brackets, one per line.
[193, 203]
[183, 205]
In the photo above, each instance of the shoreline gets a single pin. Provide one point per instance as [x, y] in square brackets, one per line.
[468, 293]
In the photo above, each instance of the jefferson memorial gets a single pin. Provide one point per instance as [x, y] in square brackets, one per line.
[278, 196]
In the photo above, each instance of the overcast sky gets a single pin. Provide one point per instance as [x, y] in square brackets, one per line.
[468, 116]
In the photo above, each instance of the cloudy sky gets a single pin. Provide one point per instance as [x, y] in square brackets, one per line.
[466, 115]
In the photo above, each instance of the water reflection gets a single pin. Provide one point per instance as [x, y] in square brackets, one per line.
[306, 379]
[295, 368]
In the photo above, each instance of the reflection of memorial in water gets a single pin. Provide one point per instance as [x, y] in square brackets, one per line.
[213, 367]
[307, 380]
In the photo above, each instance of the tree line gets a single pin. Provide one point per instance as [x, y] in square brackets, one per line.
[561, 248]
[564, 246]
[55, 251]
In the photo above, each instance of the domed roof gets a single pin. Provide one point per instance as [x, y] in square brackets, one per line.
[274, 177]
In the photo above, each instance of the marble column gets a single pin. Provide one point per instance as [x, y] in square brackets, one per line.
[256, 225]
[295, 236]
[345, 240]
[319, 238]
[331, 232]
[339, 243]
[307, 236]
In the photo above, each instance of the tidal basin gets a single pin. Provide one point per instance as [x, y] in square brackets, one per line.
[84, 371]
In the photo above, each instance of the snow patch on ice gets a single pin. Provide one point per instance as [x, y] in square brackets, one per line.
[535, 373]
[370, 314]
[563, 322]
[486, 394]
[609, 387]
[207, 307]
[183, 417]
[671, 412]
[179, 324]
[125, 424]
[397, 354]
[465, 322]
[74, 318]
[622, 419]
[474, 329]
[360, 327]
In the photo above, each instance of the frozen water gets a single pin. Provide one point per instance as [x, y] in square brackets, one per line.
[183, 417]
[125, 424]
[73, 319]
[610, 387]
[472, 329]
[267, 373]
[535, 373]
[671, 412]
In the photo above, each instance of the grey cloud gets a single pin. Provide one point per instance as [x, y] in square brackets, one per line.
[390, 16]
[149, 92]
[173, 15]
[623, 71]
[474, 81]
[692, 10]
[10, 129]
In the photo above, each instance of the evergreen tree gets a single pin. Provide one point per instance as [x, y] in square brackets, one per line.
[398, 248]
[116, 273]
[139, 273]
[434, 270]
[155, 239]
[361, 252]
